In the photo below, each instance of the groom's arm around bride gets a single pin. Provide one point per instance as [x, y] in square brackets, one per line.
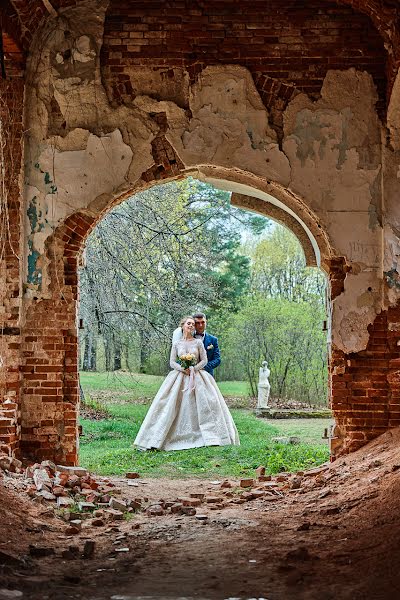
[210, 343]
[213, 353]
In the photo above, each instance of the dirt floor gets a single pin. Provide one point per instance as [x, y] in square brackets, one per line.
[329, 534]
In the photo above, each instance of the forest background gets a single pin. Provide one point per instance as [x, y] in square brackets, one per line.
[181, 247]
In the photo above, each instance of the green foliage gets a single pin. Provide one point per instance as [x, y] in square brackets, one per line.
[289, 336]
[93, 403]
[181, 247]
[163, 253]
[280, 320]
[278, 270]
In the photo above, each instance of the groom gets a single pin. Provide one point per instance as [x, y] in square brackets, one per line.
[210, 343]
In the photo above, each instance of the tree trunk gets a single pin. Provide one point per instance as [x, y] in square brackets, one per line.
[107, 352]
[90, 352]
[87, 353]
[93, 357]
[117, 354]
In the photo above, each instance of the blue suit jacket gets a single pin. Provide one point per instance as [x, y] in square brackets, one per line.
[213, 354]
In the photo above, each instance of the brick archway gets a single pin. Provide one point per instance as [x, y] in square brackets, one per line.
[50, 406]
[161, 105]
[364, 386]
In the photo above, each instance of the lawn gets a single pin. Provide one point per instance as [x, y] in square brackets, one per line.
[106, 444]
[134, 386]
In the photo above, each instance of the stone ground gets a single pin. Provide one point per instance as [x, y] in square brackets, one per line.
[334, 536]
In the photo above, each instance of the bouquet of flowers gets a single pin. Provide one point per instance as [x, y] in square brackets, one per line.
[187, 360]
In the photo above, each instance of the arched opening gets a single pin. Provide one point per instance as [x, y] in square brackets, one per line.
[60, 282]
[171, 251]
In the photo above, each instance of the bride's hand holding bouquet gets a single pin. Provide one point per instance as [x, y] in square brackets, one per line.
[186, 361]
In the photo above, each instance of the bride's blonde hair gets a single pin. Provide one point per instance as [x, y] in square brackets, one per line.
[183, 321]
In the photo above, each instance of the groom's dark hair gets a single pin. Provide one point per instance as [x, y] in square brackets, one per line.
[199, 315]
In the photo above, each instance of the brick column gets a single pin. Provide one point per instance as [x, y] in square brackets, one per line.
[366, 386]
[50, 408]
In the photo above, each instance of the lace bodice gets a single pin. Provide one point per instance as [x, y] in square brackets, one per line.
[195, 347]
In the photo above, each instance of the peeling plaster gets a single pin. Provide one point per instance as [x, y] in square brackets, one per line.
[393, 115]
[82, 152]
[66, 180]
[355, 309]
[83, 174]
[229, 126]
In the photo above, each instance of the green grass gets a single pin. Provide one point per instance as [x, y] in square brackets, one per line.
[106, 446]
[134, 386]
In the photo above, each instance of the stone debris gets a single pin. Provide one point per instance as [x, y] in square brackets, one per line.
[114, 515]
[189, 501]
[189, 511]
[246, 483]
[295, 483]
[46, 495]
[40, 551]
[226, 484]
[260, 472]
[118, 504]
[88, 549]
[155, 510]
[72, 530]
[8, 463]
[135, 504]
[49, 465]
[78, 471]
[79, 496]
[98, 523]
[247, 496]
[42, 479]
[86, 506]
[375, 464]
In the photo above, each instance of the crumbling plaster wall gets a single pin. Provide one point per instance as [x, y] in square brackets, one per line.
[391, 193]
[81, 153]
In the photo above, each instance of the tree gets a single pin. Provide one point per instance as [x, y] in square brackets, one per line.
[281, 321]
[278, 269]
[158, 256]
[289, 336]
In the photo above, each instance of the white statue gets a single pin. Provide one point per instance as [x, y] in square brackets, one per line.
[263, 386]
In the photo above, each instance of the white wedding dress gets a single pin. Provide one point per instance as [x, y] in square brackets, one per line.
[187, 412]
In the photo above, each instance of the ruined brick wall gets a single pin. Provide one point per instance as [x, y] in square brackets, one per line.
[287, 46]
[385, 15]
[50, 343]
[366, 386]
[256, 93]
[11, 124]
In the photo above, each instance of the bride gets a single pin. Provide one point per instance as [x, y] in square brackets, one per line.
[188, 410]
